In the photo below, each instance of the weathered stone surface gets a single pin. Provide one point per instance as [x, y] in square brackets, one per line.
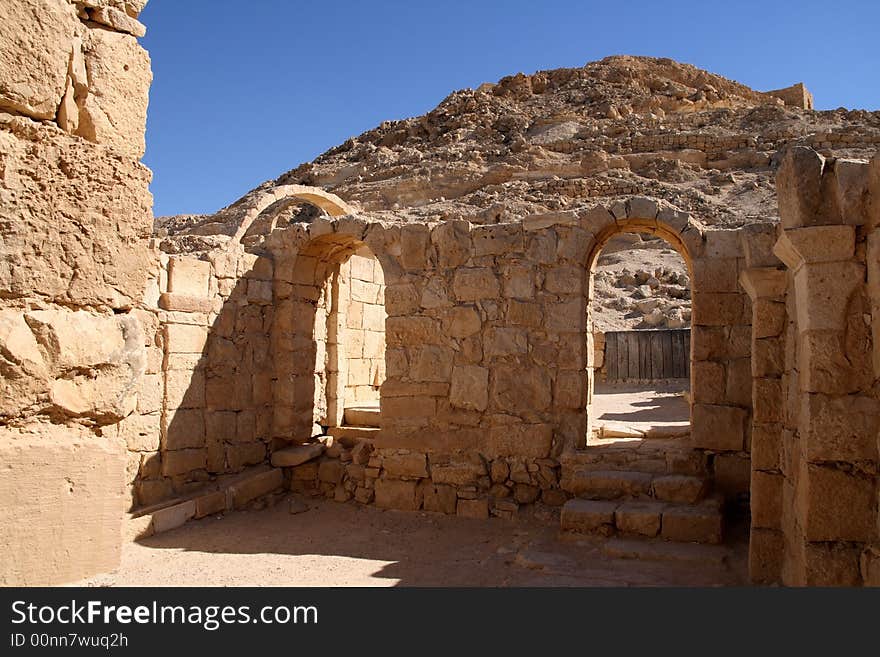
[679, 488]
[38, 37]
[115, 111]
[588, 516]
[477, 509]
[107, 264]
[638, 518]
[62, 519]
[397, 494]
[470, 387]
[700, 524]
[296, 455]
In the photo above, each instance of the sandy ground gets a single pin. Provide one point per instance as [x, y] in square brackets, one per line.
[660, 405]
[334, 544]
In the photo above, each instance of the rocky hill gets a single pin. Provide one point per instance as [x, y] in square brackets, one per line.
[555, 140]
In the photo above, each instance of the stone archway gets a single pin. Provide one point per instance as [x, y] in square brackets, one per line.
[329, 337]
[601, 240]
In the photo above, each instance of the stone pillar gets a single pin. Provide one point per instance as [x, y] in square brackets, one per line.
[766, 288]
[828, 500]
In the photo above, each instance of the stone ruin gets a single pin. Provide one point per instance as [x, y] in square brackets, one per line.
[425, 343]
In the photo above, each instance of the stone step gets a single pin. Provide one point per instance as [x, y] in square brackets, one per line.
[669, 456]
[614, 484]
[701, 523]
[362, 416]
[349, 436]
[289, 457]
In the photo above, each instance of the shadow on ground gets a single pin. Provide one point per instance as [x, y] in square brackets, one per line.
[333, 544]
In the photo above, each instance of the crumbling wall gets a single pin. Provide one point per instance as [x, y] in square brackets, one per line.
[487, 354]
[76, 216]
[816, 511]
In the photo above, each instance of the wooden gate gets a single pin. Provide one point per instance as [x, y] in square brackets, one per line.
[648, 354]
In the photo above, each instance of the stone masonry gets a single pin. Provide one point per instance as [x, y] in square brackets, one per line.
[147, 381]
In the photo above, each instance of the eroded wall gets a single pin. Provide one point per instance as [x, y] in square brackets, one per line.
[815, 487]
[76, 216]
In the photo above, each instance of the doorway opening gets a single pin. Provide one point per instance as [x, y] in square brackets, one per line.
[639, 322]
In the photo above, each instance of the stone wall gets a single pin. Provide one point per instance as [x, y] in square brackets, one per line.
[76, 217]
[815, 454]
[488, 365]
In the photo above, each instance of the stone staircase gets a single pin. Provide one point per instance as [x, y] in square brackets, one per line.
[360, 423]
[641, 488]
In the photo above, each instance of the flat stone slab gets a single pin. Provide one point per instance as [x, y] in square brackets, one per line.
[362, 416]
[609, 484]
[679, 488]
[588, 516]
[296, 455]
[696, 524]
[642, 518]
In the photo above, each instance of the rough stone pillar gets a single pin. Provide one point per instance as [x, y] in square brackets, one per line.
[832, 506]
[766, 288]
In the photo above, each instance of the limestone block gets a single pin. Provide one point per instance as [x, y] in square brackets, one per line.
[732, 473]
[462, 322]
[765, 555]
[709, 382]
[799, 187]
[414, 240]
[831, 564]
[461, 472]
[497, 239]
[519, 280]
[183, 429]
[523, 389]
[572, 244]
[38, 37]
[504, 341]
[718, 427]
[839, 428]
[524, 440]
[184, 389]
[183, 461]
[470, 387]
[835, 505]
[185, 339]
[474, 284]
[397, 494]
[115, 110]
[188, 276]
[765, 446]
[678, 488]
[477, 509]
[453, 243]
[256, 485]
[405, 466]
[438, 498]
[564, 280]
[700, 524]
[638, 518]
[766, 500]
[570, 389]
[118, 20]
[172, 517]
[108, 263]
[822, 290]
[409, 408]
[567, 316]
[412, 331]
[241, 455]
[588, 516]
[431, 363]
[715, 275]
[719, 309]
[401, 299]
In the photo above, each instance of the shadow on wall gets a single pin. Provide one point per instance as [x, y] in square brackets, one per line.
[272, 369]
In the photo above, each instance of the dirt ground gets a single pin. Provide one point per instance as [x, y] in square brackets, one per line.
[333, 544]
[642, 406]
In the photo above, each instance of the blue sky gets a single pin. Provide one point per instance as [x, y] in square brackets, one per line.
[243, 91]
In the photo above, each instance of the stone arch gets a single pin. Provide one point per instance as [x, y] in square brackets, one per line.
[329, 203]
[648, 217]
[310, 333]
